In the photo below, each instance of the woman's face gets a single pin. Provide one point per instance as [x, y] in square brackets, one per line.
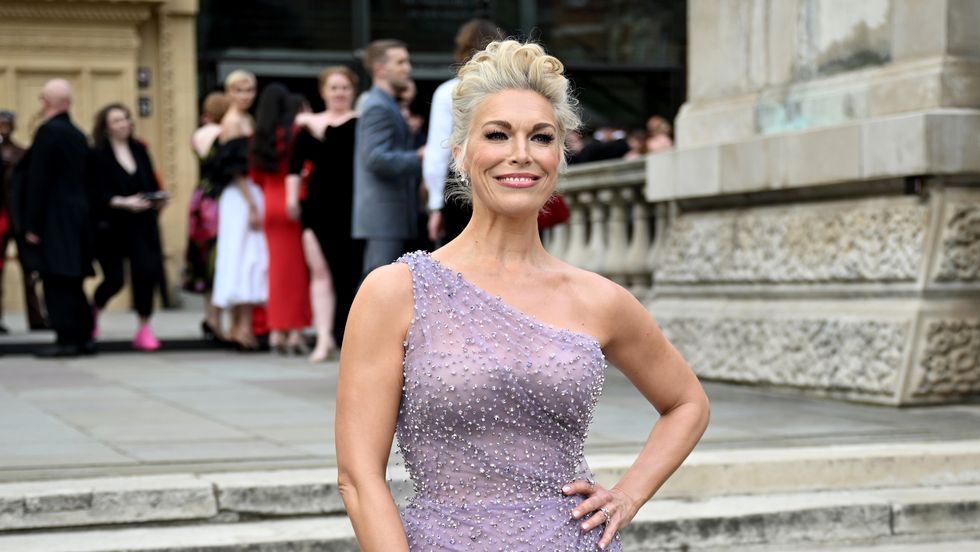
[242, 94]
[338, 92]
[118, 124]
[513, 153]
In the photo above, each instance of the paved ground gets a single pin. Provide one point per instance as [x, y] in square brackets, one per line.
[215, 410]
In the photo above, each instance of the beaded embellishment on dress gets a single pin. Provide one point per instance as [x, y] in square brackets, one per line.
[494, 413]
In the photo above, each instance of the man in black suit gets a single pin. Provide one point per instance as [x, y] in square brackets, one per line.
[56, 221]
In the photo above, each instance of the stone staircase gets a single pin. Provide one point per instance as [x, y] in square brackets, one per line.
[901, 498]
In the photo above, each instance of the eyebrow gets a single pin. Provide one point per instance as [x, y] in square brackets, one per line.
[508, 126]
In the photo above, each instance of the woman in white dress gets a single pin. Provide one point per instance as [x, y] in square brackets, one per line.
[242, 258]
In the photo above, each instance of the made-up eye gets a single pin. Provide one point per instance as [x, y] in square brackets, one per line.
[543, 138]
[495, 135]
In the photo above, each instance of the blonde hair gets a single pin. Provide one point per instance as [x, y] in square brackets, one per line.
[508, 65]
[239, 76]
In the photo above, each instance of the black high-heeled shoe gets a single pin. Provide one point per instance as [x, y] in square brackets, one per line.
[209, 334]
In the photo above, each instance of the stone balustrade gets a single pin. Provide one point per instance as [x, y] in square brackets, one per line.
[610, 228]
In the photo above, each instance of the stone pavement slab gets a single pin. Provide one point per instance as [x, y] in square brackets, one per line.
[196, 411]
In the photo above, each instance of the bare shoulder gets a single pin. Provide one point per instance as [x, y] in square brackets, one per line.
[382, 311]
[606, 304]
[388, 285]
[303, 119]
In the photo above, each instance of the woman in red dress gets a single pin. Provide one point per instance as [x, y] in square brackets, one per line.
[288, 308]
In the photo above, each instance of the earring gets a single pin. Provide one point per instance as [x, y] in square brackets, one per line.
[464, 180]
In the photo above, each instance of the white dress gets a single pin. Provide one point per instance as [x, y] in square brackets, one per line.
[241, 268]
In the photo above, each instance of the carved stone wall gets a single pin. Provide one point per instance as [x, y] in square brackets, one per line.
[950, 361]
[863, 355]
[960, 261]
[869, 241]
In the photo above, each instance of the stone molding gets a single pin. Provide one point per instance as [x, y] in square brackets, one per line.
[115, 12]
[907, 87]
[950, 362]
[940, 142]
[866, 241]
[30, 40]
[857, 355]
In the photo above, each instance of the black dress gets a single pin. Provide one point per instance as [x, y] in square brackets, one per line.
[328, 208]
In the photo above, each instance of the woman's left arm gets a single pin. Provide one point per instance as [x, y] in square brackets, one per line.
[640, 350]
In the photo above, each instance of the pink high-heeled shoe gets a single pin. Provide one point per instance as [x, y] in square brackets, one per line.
[144, 340]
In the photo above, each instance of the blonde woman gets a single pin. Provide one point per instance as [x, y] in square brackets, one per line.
[485, 359]
[242, 259]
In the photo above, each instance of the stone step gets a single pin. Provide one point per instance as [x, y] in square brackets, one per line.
[230, 496]
[858, 520]
[971, 545]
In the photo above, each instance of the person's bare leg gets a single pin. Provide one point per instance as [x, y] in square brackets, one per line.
[243, 333]
[277, 341]
[322, 297]
[213, 317]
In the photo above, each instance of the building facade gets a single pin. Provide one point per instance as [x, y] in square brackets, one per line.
[138, 52]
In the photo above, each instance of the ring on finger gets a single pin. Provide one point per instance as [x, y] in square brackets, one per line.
[591, 483]
[605, 512]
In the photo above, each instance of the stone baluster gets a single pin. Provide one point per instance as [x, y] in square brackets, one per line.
[557, 242]
[576, 253]
[637, 258]
[615, 266]
[595, 257]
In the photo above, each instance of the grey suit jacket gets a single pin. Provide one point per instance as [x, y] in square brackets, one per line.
[385, 172]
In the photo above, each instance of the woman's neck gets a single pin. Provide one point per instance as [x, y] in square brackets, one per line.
[118, 142]
[337, 112]
[509, 240]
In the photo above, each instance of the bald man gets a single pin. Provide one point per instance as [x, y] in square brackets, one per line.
[56, 221]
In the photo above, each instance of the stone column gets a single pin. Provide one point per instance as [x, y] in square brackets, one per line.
[826, 198]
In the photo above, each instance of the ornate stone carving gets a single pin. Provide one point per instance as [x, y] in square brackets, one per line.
[840, 354]
[841, 242]
[961, 244]
[167, 97]
[950, 361]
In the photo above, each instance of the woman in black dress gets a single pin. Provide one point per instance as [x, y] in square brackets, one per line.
[326, 141]
[125, 199]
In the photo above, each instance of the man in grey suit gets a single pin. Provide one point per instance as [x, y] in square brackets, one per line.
[385, 165]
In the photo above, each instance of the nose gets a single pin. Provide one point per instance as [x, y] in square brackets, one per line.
[519, 153]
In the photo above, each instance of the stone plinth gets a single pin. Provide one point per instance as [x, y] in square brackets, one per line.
[822, 220]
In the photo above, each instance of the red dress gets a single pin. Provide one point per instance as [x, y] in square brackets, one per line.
[289, 279]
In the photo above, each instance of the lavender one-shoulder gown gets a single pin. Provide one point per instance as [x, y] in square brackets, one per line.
[494, 413]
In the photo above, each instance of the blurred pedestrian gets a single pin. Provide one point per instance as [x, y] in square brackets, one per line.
[10, 154]
[385, 166]
[202, 220]
[288, 306]
[636, 139]
[56, 221]
[447, 216]
[658, 135]
[325, 141]
[125, 199]
[241, 258]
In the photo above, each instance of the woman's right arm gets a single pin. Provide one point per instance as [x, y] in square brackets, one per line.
[368, 398]
[294, 179]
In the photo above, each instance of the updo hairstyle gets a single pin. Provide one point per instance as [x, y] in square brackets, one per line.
[510, 65]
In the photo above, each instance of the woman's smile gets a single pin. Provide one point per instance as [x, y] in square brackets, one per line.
[518, 180]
